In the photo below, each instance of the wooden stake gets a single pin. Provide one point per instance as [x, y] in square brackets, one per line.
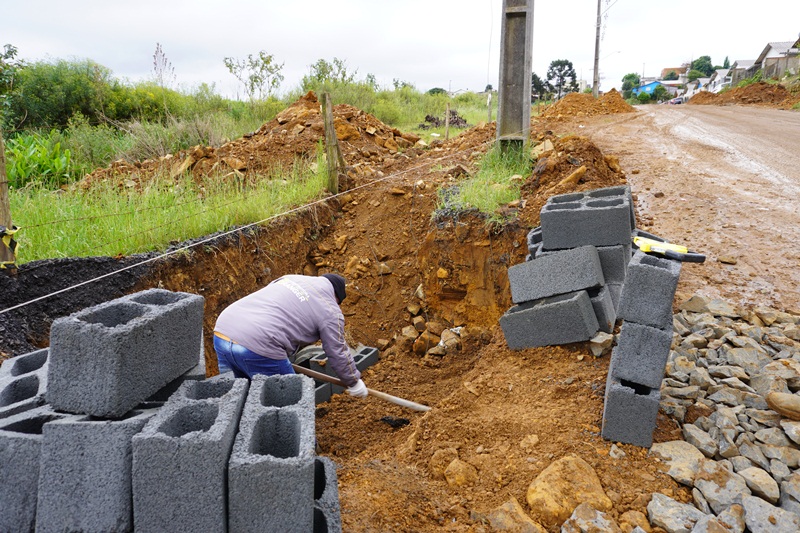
[447, 123]
[333, 153]
[5, 205]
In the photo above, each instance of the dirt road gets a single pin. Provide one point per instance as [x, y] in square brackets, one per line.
[725, 181]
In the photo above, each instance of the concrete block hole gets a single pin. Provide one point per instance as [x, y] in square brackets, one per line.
[189, 419]
[639, 390]
[277, 434]
[19, 390]
[562, 207]
[281, 392]
[564, 198]
[28, 363]
[605, 203]
[649, 260]
[320, 521]
[204, 390]
[158, 297]
[609, 191]
[115, 315]
[30, 426]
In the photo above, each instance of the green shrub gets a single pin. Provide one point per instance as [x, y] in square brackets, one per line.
[643, 98]
[37, 160]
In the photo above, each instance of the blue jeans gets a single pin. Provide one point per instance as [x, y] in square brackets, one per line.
[244, 363]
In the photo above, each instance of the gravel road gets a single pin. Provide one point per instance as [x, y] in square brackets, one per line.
[725, 181]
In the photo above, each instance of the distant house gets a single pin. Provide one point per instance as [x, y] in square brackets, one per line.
[742, 69]
[719, 80]
[646, 88]
[680, 71]
[777, 58]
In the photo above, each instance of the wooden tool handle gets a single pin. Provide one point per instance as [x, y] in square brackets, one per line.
[378, 394]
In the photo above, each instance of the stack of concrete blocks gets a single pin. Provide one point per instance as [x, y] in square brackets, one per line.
[314, 358]
[180, 458]
[85, 473]
[23, 383]
[640, 357]
[107, 359]
[570, 286]
[271, 473]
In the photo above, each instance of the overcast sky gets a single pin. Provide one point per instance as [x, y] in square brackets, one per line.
[453, 44]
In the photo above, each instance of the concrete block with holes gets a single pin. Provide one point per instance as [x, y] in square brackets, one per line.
[534, 239]
[23, 382]
[271, 472]
[327, 508]
[180, 458]
[20, 452]
[557, 320]
[629, 412]
[649, 290]
[85, 473]
[556, 273]
[106, 359]
[613, 261]
[196, 373]
[641, 353]
[602, 217]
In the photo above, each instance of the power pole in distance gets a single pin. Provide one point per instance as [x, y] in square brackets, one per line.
[596, 80]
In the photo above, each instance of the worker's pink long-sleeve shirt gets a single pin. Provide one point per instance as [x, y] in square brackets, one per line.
[291, 312]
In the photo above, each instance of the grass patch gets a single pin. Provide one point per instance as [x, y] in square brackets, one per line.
[492, 186]
[108, 221]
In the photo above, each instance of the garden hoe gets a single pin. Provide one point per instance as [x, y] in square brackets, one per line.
[382, 395]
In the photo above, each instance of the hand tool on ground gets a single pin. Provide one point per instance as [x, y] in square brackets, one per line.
[382, 395]
[668, 250]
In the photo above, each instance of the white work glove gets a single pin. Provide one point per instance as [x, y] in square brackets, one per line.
[359, 390]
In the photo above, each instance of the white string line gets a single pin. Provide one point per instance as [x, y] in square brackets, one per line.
[238, 229]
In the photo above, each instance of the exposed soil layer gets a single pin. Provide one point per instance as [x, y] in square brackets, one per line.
[507, 413]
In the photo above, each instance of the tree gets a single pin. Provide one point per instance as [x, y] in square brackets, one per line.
[643, 98]
[694, 74]
[726, 63]
[704, 65]
[660, 93]
[260, 75]
[629, 82]
[671, 75]
[538, 87]
[436, 90]
[9, 65]
[488, 88]
[323, 72]
[561, 76]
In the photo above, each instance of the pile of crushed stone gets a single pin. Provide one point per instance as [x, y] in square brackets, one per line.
[760, 94]
[585, 105]
[292, 134]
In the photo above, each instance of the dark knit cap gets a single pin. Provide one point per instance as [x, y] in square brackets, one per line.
[338, 285]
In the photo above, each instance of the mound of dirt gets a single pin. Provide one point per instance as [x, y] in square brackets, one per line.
[294, 133]
[761, 94]
[585, 105]
[573, 164]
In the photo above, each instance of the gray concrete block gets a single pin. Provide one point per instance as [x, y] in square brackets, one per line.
[365, 357]
[327, 508]
[534, 252]
[107, 359]
[649, 290]
[641, 353]
[180, 458]
[557, 320]
[23, 382]
[616, 294]
[601, 218]
[20, 451]
[556, 273]
[534, 239]
[322, 391]
[617, 190]
[613, 261]
[271, 470]
[319, 363]
[196, 373]
[85, 474]
[629, 413]
[603, 307]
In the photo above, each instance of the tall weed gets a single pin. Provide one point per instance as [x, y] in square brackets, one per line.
[37, 159]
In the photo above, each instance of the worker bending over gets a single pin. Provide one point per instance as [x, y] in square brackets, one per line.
[257, 334]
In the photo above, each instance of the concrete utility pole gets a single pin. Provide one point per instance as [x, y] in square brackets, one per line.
[514, 93]
[596, 80]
